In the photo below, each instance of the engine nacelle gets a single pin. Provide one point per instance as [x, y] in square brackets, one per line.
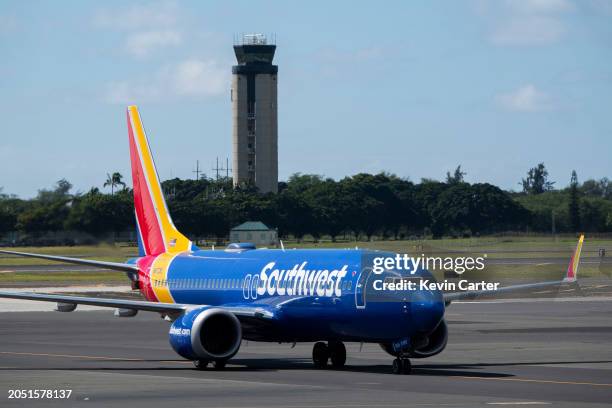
[434, 343]
[426, 346]
[206, 334]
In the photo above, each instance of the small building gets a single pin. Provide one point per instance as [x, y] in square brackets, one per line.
[254, 231]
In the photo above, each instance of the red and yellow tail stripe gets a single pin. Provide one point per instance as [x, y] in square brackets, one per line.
[156, 229]
[572, 268]
[159, 277]
[154, 277]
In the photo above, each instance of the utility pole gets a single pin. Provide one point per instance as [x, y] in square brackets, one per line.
[227, 168]
[197, 170]
[217, 168]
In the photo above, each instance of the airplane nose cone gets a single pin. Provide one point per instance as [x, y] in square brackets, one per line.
[427, 309]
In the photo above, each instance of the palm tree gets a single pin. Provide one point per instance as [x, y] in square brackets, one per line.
[113, 181]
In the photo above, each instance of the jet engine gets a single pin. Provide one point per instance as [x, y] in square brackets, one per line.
[206, 334]
[432, 344]
[424, 346]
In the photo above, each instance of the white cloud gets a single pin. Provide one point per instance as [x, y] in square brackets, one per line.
[526, 98]
[540, 6]
[526, 22]
[199, 78]
[192, 78]
[532, 30]
[147, 27]
[136, 17]
[141, 44]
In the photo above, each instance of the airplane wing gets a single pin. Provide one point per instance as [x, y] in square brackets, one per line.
[570, 277]
[168, 308]
[117, 266]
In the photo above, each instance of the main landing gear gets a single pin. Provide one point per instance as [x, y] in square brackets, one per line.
[203, 364]
[401, 365]
[333, 350]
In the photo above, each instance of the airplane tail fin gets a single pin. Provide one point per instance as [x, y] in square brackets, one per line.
[156, 231]
[572, 268]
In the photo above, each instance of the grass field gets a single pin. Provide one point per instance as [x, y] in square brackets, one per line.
[495, 248]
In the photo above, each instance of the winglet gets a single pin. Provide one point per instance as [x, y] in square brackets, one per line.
[572, 268]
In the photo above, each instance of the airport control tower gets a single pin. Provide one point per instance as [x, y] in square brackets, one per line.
[254, 114]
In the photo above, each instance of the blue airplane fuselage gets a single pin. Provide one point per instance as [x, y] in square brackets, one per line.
[313, 294]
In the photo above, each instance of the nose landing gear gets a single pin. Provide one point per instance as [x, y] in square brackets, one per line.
[334, 350]
[401, 365]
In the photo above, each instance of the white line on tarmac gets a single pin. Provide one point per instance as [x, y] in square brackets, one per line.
[536, 300]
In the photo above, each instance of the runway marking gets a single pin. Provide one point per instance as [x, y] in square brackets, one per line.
[519, 403]
[90, 357]
[69, 356]
[218, 381]
[538, 300]
[189, 362]
[537, 381]
[416, 404]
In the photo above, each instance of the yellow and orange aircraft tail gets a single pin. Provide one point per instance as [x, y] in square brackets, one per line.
[157, 233]
[572, 268]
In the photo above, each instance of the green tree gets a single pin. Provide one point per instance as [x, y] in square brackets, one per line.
[114, 180]
[100, 214]
[597, 188]
[537, 180]
[61, 192]
[595, 214]
[48, 211]
[475, 209]
[456, 177]
[41, 218]
[8, 213]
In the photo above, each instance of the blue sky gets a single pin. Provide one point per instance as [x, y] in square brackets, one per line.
[414, 88]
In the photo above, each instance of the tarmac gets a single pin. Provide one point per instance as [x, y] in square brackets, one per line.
[528, 352]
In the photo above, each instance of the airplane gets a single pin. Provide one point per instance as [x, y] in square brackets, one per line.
[214, 299]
